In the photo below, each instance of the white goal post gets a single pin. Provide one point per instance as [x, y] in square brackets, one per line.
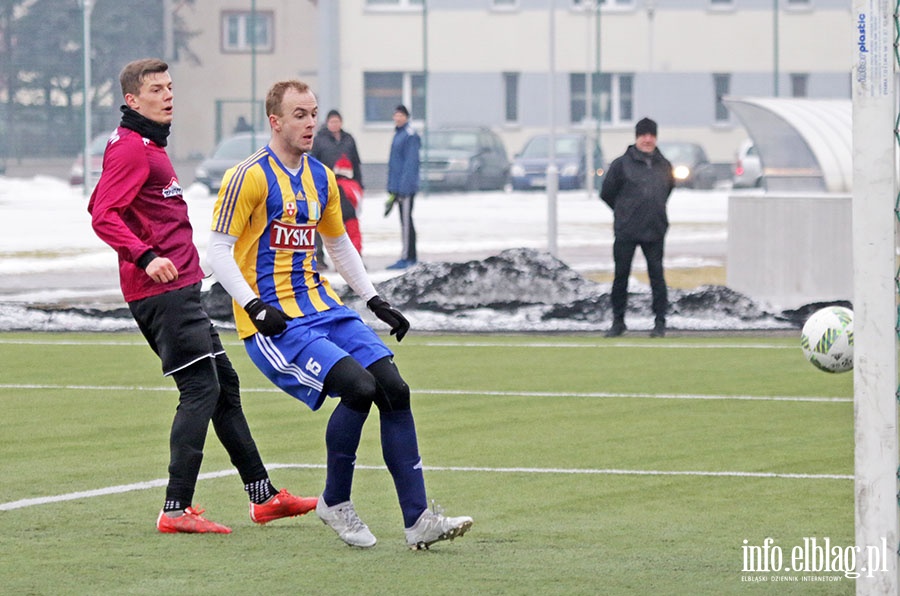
[875, 290]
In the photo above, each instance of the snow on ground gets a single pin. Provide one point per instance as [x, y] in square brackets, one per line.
[50, 257]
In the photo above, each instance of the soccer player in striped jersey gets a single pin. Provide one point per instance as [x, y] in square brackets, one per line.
[138, 209]
[295, 327]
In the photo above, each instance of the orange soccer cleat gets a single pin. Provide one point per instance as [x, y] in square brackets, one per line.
[284, 504]
[192, 522]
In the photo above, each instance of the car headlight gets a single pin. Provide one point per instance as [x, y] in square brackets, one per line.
[569, 170]
[517, 171]
[681, 172]
[458, 164]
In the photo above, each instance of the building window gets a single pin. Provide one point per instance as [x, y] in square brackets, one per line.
[722, 84]
[240, 31]
[612, 97]
[384, 91]
[610, 4]
[578, 97]
[393, 3]
[799, 85]
[511, 94]
[617, 3]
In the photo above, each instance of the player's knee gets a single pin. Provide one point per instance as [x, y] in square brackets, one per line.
[198, 388]
[393, 392]
[359, 393]
[229, 382]
[355, 385]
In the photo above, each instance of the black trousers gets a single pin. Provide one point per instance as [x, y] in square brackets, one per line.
[623, 255]
[407, 228]
[179, 331]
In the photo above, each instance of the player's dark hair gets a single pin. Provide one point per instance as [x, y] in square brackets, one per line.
[276, 94]
[132, 76]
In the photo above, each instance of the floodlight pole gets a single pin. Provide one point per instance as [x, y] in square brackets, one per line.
[876, 455]
[775, 50]
[425, 144]
[552, 169]
[589, 165]
[86, 8]
[253, 110]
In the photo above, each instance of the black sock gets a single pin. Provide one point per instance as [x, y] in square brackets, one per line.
[260, 491]
[174, 505]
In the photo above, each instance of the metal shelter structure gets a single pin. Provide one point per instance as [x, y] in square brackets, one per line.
[803, 144]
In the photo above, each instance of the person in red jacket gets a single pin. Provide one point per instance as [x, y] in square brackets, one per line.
[138, 209]
[351, 200]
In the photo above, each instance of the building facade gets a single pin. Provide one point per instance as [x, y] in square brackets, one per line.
[242, 47]
[517, 66]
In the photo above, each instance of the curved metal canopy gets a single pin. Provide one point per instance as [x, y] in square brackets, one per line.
[803, 144]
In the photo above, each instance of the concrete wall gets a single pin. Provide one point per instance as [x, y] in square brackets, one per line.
[790, 249]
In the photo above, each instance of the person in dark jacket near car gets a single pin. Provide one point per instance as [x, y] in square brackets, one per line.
[333, 142]
[336, 148]
[637, 187]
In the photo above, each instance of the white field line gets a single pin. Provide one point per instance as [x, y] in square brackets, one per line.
[597, 394]
[161, 482]
[450, 344]
[610, 344]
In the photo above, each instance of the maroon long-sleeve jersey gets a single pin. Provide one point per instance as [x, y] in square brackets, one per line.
[138, 206]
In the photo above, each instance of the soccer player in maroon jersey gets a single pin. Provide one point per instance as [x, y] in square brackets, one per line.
[138, 209]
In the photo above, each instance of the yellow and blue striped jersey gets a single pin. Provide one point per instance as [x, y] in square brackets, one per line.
[274, 215]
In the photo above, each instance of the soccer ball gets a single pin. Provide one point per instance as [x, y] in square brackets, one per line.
[827, 339]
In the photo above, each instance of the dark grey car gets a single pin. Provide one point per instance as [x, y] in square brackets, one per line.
[229, 152]
[690, 165]
[463, 158]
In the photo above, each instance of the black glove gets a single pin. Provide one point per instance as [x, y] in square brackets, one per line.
[390, 315]
[268, 319]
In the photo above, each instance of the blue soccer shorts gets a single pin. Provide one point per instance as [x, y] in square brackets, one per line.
[298, 360]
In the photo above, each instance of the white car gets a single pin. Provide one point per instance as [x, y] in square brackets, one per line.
[747, 167]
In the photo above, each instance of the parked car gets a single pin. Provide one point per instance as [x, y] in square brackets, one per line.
[229, 152]
[747, 167]
[690, 165]
[529, 169]
[96, 149]
[464, 158]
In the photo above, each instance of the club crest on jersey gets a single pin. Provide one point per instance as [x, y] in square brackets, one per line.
[292, 237]
[173, 189]
[290, 209]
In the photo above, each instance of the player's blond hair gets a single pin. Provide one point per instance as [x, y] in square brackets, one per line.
[276, 95]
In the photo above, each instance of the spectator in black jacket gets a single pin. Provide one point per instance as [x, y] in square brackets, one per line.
[335, 147]
[637, 187]
[332, 142]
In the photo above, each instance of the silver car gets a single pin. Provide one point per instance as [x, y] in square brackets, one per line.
[747, 167]
[463, 158]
